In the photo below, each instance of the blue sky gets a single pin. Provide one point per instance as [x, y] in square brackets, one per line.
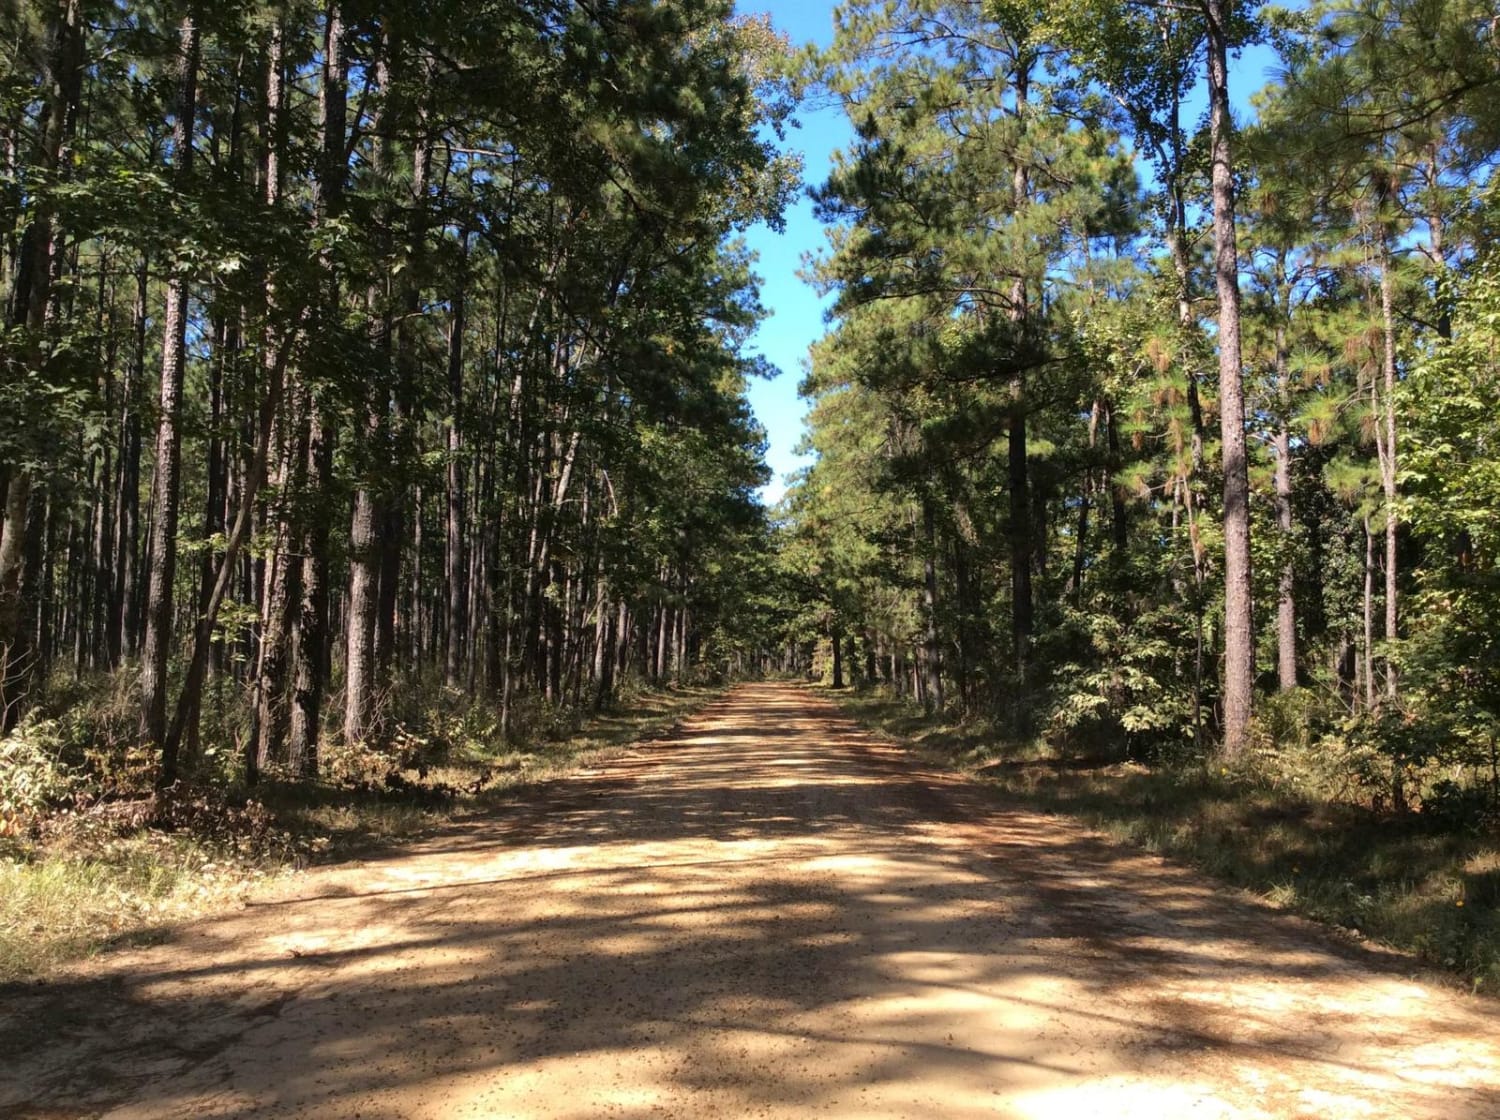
[796, 312]
[796, 319]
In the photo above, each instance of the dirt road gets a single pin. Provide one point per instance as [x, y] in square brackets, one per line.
[768, 914]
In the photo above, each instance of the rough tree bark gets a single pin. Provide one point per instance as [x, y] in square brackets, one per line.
[1239, 633]
[1022, 620]
[932, 691]
[165, 483]
[456, 630]
[310, 640]
[1286, 600]
[1387, 454]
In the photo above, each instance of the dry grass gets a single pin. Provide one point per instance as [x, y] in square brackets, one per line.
[60, 905]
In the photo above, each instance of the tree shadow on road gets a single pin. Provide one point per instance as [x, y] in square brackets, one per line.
[779, 916]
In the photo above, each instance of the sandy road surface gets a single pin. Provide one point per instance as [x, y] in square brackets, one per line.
[767, 914]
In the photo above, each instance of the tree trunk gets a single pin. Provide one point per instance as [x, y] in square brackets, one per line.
[1016, 452]
[393, 499]
[680, 643]
[663, 631]
[269, 721]
[12, 558]
[214, 505]
[1081, 531]
[455, 628]
[1239, 633]
[1388, 461]
[310, 646]
[1367, 654]
[1020, 535]
[359, 648]
[1286, 602]
[932, 691]
[605, 636]
[311, 639]
[125, 626]
[165, 484]
[283, 594]
[1120, 513]
[369, 624]
[1346, 670]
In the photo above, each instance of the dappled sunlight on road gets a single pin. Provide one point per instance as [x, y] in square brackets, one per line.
[768, 914]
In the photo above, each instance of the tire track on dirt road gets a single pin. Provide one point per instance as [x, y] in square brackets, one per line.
[766, 914]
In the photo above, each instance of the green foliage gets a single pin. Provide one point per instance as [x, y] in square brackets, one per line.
[1123, 694]
[993, 274]
[94, 733]
[33, 776]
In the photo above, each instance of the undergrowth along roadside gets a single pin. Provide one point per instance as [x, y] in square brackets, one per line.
[88, 881]
[1402, 881]
[330, 821]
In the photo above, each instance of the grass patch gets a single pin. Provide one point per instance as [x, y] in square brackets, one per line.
[57, 906]
[97, 879]
[1403, 881]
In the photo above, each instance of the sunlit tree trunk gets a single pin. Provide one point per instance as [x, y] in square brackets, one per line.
[1286, 592]
[1239, 634]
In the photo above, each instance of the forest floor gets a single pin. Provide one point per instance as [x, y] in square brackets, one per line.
[768, 913]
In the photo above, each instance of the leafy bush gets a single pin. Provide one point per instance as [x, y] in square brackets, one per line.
[366, 762]
[33, 775]
[1125, 685]
[96, 722]
[1293, 721]
[1453, 807]
[1304, 743]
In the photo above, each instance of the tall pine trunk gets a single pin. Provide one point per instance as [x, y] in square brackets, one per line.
[125, 623]
[1286, 598]
[1388, 462]
[363, 603]
[1239, 633]
[454, 568]
[17, 496]
[165, 483]
[310, 646]
[932, 668]
[1021, 544]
